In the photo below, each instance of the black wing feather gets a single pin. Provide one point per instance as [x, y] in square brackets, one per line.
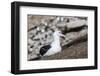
[44, 49]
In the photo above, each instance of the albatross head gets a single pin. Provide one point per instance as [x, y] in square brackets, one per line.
[59, 33]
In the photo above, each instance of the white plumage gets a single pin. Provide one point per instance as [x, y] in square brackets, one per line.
[54, 47]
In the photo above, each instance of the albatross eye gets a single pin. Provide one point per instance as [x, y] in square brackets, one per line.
[59, 32]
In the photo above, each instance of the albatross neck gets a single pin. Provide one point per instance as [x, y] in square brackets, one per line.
[56, 39]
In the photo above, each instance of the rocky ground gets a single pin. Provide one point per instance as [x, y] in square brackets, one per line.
[41, 28]
[76, 51]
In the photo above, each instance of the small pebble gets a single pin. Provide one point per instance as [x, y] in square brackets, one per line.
[38, 29]
[42, 30]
